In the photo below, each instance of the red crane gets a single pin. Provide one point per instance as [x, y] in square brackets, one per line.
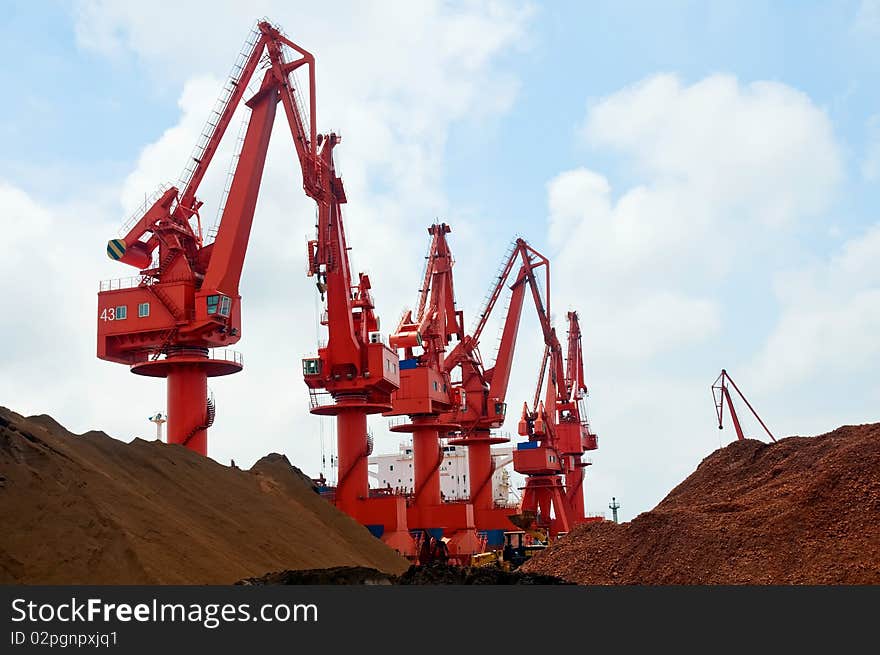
[721, 394]
[559, 434]
[470, 409]
[186, 299]
[425, 388]
[483, 390]
[355, 367]
[574, 435]
[426, 395]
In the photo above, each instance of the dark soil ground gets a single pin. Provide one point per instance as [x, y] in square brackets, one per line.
[805, 510]
[434, 574]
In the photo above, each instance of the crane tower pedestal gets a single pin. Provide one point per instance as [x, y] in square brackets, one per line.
[385, 516]
[574, 488]
[489, 518]
[480, 466]
[353, 448]
[427, 457]
[187, 370]
[543, 492]
[428, 511]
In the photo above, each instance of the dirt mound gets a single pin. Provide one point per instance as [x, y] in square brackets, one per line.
[801, 511]
[92, 509]
[435, 574]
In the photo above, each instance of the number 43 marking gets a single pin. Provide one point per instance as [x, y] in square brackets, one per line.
[109, 314]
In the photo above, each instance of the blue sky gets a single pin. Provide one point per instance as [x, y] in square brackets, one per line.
[572, 53]
[579, 52]
[109, 100]
[62, 92]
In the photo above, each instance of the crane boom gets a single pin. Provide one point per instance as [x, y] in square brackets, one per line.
[498, 376]
[576, 387]
[559, 434]
[226, 260]
[721, 394]
[485, 388]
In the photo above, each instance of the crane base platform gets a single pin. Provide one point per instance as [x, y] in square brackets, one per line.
[473, 440]
[408, 428]
[213, 367]
[386, 518]
[337, 408]
[495, 518]
[449, 516]
[456, 521]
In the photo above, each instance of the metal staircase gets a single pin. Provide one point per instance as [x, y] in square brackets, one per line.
[368, 450]
[166, 300]
[210, 415]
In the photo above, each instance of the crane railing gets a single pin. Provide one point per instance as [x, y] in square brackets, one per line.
[138, 213]
[216, 354]
[226, 355]
[397, 421]
[491, 295]
[233, 80]
[319, 398]
[118, 283]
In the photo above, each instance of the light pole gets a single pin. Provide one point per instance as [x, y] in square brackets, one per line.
[614, 506]
[159, 419]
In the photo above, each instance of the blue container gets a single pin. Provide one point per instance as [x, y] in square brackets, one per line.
[406, 364]
[494, 537]
[527, 445]
[376, 530]
[437, 533]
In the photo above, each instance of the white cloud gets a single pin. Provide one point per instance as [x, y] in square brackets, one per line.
[871, 162]
[631, 309]
[161, 162]
[723, 165]
[762, 148]
[48, 278]
[722, 172]
[830, 317]
[867, 19]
